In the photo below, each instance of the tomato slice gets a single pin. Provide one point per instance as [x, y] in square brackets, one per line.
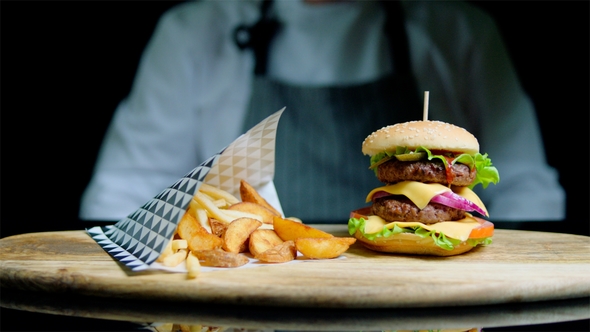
[485, 228]
[361, 213]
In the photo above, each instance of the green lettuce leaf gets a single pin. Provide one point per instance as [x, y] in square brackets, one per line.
[439, 238]
[355, 224]
[486, 172]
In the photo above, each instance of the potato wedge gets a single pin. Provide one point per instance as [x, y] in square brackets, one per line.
[281, 253]
[263, 239]
[187, 226]
[220, 258]
[323, 248]
[196, 235]
[288, 229]
[218, 227]
[237, 233]
[256, 209]
[249, 194]
[205, 241]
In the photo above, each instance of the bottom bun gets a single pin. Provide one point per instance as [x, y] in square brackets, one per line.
[408, 243]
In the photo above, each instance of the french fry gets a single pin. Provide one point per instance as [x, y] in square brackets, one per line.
[218, 193]
[256, 209]
[192, 265]
[266, 226]
[261, 240]
[249, 194]
[212, 210]
[280, 253]
[294, 219]
[235, 214]
[166, 252]
[175, 259]
[288, 229]
[203, 219]
[220, 258]
[193, 206]
[323, 248]
[199, 213]
[179, 244]
[220, 203]
[237, 233]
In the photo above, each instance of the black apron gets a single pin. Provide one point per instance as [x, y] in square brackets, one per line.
[320, 172]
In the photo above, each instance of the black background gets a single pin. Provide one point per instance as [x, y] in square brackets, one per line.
[66, 65]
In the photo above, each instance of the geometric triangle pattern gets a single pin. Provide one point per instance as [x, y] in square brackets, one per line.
[250, 157]
[138, 239]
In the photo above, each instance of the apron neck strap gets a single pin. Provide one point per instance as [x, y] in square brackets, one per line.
[395, 31]
[399, 47]
[258, 36]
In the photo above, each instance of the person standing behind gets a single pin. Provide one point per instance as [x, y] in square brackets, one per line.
[213, 69]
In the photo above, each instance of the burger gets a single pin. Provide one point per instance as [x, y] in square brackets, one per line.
[427, 205]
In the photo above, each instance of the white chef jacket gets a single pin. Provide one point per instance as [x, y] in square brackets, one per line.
[192, 88]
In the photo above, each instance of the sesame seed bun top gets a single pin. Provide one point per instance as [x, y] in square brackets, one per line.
[433, 135]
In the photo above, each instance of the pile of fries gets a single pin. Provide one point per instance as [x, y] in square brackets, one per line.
[219, 230]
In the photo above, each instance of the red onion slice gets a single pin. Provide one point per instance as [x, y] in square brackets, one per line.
[455, 201]
[379, 194]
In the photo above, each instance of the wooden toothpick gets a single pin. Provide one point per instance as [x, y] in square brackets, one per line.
[425, 111]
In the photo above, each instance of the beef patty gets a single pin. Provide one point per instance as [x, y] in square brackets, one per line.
[424, 171]
[400, 208]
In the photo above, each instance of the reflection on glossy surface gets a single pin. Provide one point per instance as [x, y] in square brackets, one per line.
[148, 313]
[169, 327]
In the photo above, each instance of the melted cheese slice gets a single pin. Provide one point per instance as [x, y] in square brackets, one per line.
[418, 192]
[421, 193]
[460, 229]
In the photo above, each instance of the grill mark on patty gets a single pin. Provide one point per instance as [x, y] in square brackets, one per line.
[432, 171]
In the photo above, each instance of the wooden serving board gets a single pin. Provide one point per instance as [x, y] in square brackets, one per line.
[520, 266]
